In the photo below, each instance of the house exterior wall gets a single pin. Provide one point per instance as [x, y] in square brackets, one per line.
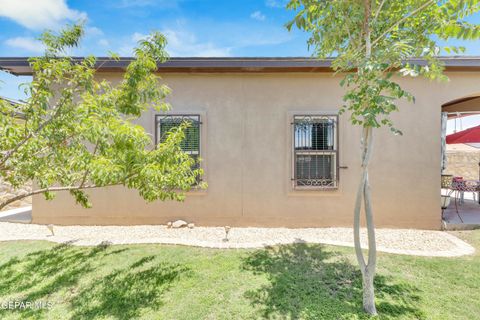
[247, 150]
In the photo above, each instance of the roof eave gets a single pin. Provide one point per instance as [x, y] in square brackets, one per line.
[21, 66]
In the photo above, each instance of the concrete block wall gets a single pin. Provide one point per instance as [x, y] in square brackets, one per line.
[7, 192]
[463, 164]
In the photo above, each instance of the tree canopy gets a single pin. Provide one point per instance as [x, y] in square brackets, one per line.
[405, 36]
[78, 130]
[372, 42]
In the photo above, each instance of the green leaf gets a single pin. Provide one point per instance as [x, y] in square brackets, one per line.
[79, 130]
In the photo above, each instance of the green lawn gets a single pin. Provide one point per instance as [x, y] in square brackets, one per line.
[288, 282]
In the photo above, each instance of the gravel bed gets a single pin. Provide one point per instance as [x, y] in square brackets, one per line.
[400, 241]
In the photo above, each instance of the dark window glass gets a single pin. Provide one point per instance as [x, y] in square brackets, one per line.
[315, 151]
[191, 143]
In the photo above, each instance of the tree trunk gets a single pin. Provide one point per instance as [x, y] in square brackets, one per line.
[369, 293]
[363, 193]
[367, 267]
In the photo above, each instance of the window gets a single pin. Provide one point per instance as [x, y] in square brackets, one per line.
[315, 151]
[191, 143]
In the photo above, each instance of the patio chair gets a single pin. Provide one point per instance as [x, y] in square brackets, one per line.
[460, 186]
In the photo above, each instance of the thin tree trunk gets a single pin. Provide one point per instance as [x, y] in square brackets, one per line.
[369, 293]
[369, 274]
[363, 193]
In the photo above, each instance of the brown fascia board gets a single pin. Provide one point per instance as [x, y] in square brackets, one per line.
[20, 65]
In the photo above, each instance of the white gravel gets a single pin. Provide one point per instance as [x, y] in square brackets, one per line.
[400, 241]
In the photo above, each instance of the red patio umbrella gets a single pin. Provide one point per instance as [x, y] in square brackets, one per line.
[469, 136]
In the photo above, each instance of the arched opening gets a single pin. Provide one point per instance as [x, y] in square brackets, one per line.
[460, 193]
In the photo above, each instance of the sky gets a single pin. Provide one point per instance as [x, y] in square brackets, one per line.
[193, 28]
[217, 28]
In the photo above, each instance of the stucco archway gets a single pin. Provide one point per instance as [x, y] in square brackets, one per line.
[465, 106]
[462, 161]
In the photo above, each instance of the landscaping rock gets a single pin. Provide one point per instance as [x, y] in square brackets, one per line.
[191, 225]
[400, 241]
[179, 224]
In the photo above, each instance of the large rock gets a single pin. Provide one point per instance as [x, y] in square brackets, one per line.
[179, 224]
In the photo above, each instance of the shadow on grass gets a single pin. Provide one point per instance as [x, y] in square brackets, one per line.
[39, 274]
[70, 274]
[124, 293]
[310, 282]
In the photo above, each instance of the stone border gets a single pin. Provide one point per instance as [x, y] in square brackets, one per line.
[240, 239]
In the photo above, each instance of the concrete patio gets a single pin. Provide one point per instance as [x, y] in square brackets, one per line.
[17, 215]
[468, 216]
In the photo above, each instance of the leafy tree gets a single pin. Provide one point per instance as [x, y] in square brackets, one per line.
[373, 43]
[78, 132]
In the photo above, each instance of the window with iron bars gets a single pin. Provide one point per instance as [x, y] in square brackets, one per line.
[191, 143]
[315, 152]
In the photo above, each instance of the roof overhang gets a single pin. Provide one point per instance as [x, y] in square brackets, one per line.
[21, 66]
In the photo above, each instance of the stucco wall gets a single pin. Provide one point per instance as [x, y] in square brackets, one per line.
[247, 157]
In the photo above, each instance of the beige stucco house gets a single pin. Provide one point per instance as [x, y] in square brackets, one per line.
[275, 150]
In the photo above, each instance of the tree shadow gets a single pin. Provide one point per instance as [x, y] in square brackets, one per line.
[81, 277]
[311, 282]
[38, 275]
[124, 293]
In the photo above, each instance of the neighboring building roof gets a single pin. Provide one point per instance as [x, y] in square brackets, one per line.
[14, 103]
[20, 65]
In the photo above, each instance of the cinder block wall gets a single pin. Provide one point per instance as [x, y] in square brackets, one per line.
[463, 164]
[7, 192]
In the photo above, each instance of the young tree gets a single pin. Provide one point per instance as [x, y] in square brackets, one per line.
[77, 131]
[373, 42]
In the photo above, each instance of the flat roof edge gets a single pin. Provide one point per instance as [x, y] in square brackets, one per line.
[20, 65]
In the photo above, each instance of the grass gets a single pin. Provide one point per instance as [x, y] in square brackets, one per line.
[297, 281]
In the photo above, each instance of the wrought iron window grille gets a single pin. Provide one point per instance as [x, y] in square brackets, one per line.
[315, 152]
[192, 142]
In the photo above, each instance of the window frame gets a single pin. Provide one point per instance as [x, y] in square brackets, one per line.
[182, 116]
[201, 139]
[334, 152]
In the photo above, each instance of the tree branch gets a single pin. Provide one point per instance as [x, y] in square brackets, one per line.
[414, 12]
[366, 29]
[374, 42]
[9, 153]
[50, 189]
[86, 170]
[378, 10]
